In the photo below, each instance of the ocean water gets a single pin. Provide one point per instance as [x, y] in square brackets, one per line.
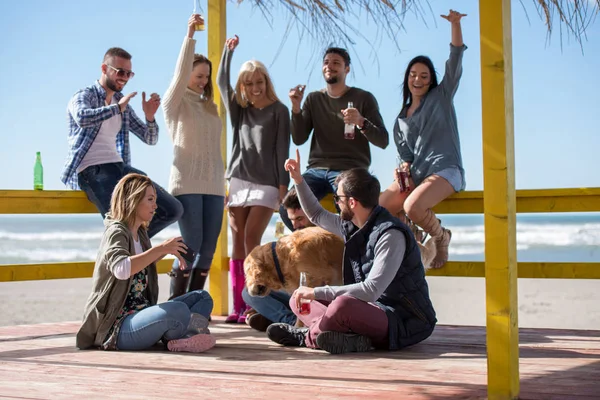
[569, 237]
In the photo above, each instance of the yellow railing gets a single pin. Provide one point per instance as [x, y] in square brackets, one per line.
[529, 201]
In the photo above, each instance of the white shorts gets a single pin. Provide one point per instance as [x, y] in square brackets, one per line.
[247, 194]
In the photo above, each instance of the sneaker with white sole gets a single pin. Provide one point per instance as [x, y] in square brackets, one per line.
[194, 344]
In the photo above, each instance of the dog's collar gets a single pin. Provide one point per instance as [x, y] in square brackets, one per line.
[277, 266]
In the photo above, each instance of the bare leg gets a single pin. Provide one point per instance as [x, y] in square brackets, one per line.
[418, 207]
[237, 222]
[256, 224]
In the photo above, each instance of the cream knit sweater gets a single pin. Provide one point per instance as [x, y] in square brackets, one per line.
[196, 134]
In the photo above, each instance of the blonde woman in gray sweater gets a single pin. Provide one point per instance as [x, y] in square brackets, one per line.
[197, 175]
[257, 178]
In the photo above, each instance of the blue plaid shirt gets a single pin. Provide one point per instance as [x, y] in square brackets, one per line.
[86, 112]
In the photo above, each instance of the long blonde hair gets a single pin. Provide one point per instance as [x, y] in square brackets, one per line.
[249, 68]
[126, 197]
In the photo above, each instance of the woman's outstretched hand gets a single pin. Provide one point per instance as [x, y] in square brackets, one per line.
[232, 43]
[194, 20]
[453, 17]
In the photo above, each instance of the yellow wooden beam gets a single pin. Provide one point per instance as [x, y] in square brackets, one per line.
[499, 200]
[217, 31]
[539, 270]
[67, 270]
[528, 201]
[467, 269]
[45, 202]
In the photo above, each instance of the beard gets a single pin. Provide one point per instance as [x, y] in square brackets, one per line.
[346, 214]
[112, 85]
[332, 80]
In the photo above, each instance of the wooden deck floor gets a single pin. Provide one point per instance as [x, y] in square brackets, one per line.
[40, 361]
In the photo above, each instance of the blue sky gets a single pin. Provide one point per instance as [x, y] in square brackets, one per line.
[51, 49]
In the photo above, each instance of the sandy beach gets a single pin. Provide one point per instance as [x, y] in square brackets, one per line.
[543, 303]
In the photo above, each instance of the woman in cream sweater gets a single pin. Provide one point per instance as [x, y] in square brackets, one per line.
[197, 174]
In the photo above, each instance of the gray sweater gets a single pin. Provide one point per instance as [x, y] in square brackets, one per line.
[389, 250]
[429, 138]
[328, 148]
[261, 137]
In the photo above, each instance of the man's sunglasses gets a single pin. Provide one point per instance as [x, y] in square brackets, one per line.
[337, 198]
[122, 73]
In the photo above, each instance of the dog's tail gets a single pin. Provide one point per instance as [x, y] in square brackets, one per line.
[428, 252]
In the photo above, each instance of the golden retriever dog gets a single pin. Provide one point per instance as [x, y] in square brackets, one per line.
[312, 250]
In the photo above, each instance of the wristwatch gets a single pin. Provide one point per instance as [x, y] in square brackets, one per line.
[365, 126]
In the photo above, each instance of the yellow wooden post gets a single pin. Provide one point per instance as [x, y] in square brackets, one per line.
[499, 200]
[217, 23]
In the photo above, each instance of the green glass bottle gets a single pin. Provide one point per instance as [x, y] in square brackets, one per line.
[38, 173]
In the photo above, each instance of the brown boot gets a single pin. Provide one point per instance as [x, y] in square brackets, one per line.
[441, 244]
[439, 234]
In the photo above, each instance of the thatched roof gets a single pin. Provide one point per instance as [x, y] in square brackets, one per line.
[327, 20]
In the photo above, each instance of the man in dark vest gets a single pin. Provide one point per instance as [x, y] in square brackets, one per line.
[384, 302]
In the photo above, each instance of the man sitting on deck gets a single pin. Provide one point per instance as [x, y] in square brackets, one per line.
[385, 298]
[275, 306]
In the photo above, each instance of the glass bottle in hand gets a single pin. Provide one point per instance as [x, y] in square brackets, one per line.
[304, 303]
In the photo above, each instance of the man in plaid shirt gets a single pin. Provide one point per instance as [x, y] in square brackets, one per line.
[100, 117]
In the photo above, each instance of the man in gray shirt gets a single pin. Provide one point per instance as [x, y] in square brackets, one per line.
[384, 301]
[325, 113]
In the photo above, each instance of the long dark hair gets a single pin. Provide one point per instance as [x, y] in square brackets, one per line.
[208, 89]
[406, 94]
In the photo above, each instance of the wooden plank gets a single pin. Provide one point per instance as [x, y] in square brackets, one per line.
[65, 270]
[476, 269]
[528, 201]
[470, 269]
[217, 31]
[499, 200]
[42, 362]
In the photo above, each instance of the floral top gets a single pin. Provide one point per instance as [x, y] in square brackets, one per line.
[136, 301]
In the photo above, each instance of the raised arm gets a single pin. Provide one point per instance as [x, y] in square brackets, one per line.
[148, 131]
[80, 108]
[309, 203]
[223, 79]
[302, 124]
[183, 68]
[453, 70]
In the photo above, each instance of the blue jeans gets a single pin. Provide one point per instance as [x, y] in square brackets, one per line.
[169, 320]
[99, 181]
[275, 306]
[321, 182]
[200, 227]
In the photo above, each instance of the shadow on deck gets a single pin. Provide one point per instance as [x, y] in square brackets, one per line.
[40, 361]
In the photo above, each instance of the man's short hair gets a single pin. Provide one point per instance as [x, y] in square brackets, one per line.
[291, 200]
[360, 184]
[116, 52]
[340, 52]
